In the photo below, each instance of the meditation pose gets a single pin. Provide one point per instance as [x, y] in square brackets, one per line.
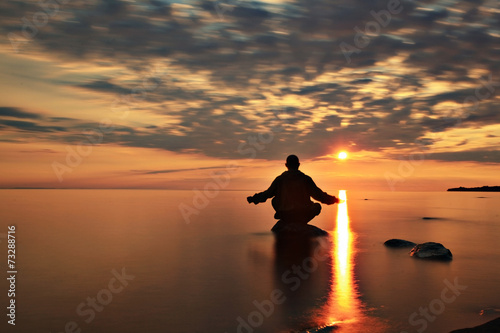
[291, 192]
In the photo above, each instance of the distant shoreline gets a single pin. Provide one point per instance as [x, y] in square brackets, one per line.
[476, 189]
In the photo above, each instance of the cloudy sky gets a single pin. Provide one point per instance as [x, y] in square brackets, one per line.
[169, 94]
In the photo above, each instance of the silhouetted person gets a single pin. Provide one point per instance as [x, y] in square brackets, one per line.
[292, 192]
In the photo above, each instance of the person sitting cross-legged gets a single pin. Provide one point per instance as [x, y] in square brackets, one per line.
[291, 192]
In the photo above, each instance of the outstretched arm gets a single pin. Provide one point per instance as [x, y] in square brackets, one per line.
[321, 196]
[263, 196]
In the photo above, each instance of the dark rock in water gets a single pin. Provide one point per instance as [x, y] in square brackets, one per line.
[326, 329]
[489, 311]
[491, 326]
[430, 218]
[297, 229]
[399, 243]
[431, 250]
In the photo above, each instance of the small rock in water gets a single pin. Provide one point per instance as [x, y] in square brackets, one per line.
[323, 329]
[399, 243]
[430, 218]
[431, 250]
[488, 311]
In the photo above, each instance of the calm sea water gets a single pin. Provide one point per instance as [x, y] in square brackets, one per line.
[127, 261]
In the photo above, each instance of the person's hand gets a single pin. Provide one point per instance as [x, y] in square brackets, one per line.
[333, 200]
[338, 201]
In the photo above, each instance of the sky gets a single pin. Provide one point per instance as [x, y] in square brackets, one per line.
[215, 94]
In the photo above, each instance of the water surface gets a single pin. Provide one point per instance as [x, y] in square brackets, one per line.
[225, 272]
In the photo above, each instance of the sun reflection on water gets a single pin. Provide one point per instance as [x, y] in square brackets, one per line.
[344, 304]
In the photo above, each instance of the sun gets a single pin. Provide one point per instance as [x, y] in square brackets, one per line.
[342, 155]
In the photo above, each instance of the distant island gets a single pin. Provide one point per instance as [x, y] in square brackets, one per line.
[476, 189]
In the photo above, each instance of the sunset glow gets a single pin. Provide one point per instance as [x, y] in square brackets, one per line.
[201, 154]
[177, 96]
[342, 155]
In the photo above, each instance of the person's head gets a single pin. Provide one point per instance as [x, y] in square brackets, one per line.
[292, 162]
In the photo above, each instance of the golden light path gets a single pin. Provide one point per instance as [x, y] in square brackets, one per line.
[344, 303]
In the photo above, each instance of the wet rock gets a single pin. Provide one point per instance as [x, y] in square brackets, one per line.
[431, 250]
[297, 229]
[399, 243]
[488, 327]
